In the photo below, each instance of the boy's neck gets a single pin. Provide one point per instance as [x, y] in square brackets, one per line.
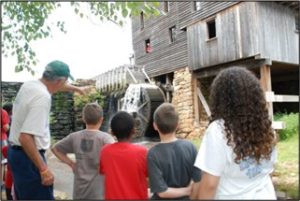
[124, 140]
[166, 138]
[92, 127]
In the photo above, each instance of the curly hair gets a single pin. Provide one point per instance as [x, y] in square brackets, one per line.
[237, 98]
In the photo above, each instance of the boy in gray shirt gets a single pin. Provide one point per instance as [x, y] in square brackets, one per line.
[86, 145]
[171, 170]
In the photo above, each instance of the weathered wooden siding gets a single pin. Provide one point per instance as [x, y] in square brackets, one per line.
[188, 16]
[166, 56]
[278, 39]
[260, 29]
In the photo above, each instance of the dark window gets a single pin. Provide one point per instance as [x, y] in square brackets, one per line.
[142, 20]
[166, 6]
[211, 27]
[148, 47]
[172, 34]
[197, 5]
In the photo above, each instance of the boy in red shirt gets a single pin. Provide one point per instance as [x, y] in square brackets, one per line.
[124, 164]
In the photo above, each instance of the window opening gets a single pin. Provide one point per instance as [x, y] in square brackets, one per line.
[142, 20]
[148, 47]
[211, 26]
[197, 5]
[166, 6]
[172, 34]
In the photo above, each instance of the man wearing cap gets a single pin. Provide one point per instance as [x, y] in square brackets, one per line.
[30, 134]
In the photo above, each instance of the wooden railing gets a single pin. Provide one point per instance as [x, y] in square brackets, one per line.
[119, 78]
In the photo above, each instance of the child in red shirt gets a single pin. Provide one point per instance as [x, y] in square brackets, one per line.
[124, 164]
[8, 175]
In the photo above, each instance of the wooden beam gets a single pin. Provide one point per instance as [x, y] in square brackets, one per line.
[278, 125]
[249, 63]
[266, 84]
[265, 78]
[203, 101]
[196, 103]
[286, 98]
[168, 93]
[271, 97]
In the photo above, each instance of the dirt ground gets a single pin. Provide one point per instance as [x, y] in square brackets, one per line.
[63, 177]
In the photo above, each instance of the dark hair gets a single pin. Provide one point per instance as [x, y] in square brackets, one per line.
[50, 76]
[237, 98]
[92, 113]
[122, 125]
[166, 118]
[8, 107]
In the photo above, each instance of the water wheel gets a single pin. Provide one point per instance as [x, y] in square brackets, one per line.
[141, 100]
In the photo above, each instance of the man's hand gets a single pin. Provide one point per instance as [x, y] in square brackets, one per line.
[47, 177]
[72, 88]
[82, 90]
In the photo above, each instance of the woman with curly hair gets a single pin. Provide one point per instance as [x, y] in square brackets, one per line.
[237, 152]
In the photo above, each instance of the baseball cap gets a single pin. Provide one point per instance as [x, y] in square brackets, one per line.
[59, 68]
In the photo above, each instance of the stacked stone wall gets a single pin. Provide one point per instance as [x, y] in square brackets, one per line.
[184, 102]
[62, 115]
[9, 91]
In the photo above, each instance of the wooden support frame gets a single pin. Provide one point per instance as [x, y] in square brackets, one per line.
[203, 101]
[271, 97]
[168, 93]
[266, 84]
[196, 103]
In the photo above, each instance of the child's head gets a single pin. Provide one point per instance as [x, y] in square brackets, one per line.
[122, 125]
[92, 114]
[237, 97]
[165, 119]
[8, 108]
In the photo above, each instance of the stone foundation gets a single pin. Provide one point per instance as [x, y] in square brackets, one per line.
[185, 103]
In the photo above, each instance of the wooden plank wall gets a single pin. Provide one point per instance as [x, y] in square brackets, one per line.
[167, 57]
[278, 38]
[262, 29]
[188, 15]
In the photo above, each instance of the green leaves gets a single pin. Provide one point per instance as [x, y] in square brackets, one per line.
[24, 22]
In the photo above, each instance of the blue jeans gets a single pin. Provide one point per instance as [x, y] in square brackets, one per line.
[26, 176]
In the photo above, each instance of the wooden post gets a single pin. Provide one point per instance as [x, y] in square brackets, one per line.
[266, 84]
[196, 102]
[203, 101]
[168, 93]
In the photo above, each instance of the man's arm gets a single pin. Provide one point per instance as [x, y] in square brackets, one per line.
[71, 88]
[208, 186]
[63, 157]
[28, 144]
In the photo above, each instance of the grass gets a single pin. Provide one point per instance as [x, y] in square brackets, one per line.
[286, 171]
[286, 174]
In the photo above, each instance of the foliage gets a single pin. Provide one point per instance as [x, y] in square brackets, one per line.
[291, 124]
[24, 22]
[197, 142]
[93, 96]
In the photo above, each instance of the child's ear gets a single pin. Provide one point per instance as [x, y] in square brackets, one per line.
[155, 126]
[100, 120]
